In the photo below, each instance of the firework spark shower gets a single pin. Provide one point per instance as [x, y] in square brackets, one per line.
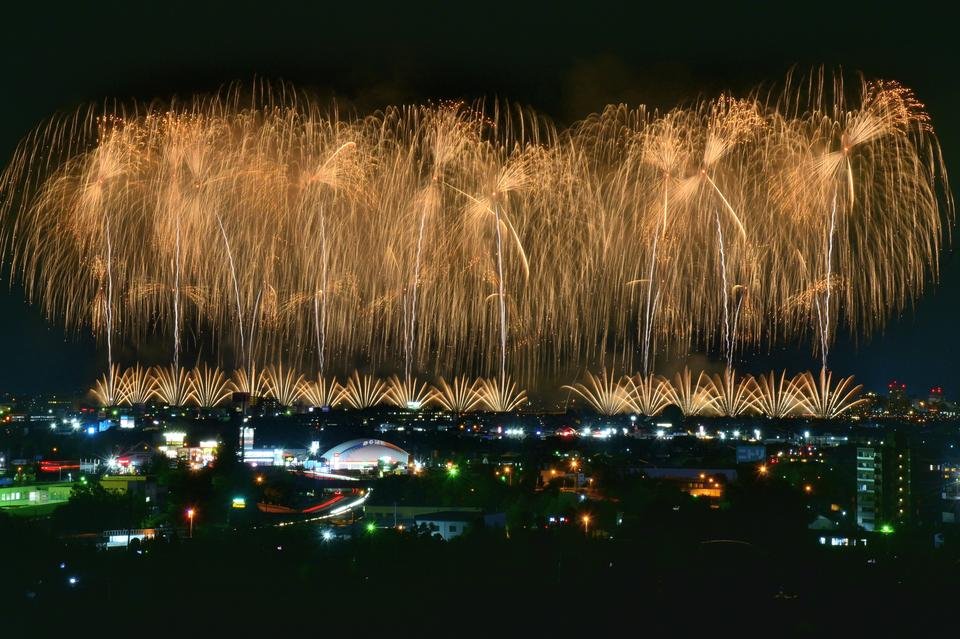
[450, 239]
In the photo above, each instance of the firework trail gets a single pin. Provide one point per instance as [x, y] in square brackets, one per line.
[440, 240]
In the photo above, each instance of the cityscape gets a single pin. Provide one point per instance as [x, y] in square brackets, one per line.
[346, 341]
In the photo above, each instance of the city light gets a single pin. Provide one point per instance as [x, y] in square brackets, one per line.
[335, 265]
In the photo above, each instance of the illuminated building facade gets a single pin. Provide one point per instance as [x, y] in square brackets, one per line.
[698, 482]
[22, 495]
[365, 455]
[950, 493]
[897, 401]
[883, 485]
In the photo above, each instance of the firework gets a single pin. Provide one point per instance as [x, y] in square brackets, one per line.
[692, 397]
[209, 387]
[172, 385]
[106, 390]
[500, 395]
[138, 385]
[819, 397]
[363, 391]
[775, 397]
[320, 392]
[459, 397]
[408, 393]
[649, 394]
[735, 396]
[283, 384]
[606, 394]
[249, 381]
[725, 394]
[442, 238]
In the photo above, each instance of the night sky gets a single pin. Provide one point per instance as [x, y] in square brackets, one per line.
[564, 61]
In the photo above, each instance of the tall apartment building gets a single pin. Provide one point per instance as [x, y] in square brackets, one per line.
[883, 484]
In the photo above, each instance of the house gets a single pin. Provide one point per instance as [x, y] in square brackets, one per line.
[453, 523]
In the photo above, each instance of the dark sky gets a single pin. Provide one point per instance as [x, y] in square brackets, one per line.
[564, 60]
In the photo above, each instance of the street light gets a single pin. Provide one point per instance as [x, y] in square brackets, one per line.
[586, 524]
[190, 513]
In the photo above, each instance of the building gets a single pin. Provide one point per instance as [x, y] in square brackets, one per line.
[365, 455]
[936, 405]
[175, 448]
[395, 515]
[453, 523]
[883, 485]
[123, 537]
[138, 486]
[950, 493]
[897, 401]
[258, 456]
[697, 482]
[936, 396]
[31, 496]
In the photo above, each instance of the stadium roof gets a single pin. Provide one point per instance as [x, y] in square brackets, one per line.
[366, 451]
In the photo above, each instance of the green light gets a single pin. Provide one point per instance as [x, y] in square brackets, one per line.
[886, 529]
[453, 471]
[371, 527]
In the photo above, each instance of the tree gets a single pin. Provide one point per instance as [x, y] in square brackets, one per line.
[92, 508]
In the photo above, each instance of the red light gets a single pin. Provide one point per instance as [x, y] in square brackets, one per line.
[329, 502]
[57, 466]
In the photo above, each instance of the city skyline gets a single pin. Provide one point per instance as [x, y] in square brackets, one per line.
[411, 317]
